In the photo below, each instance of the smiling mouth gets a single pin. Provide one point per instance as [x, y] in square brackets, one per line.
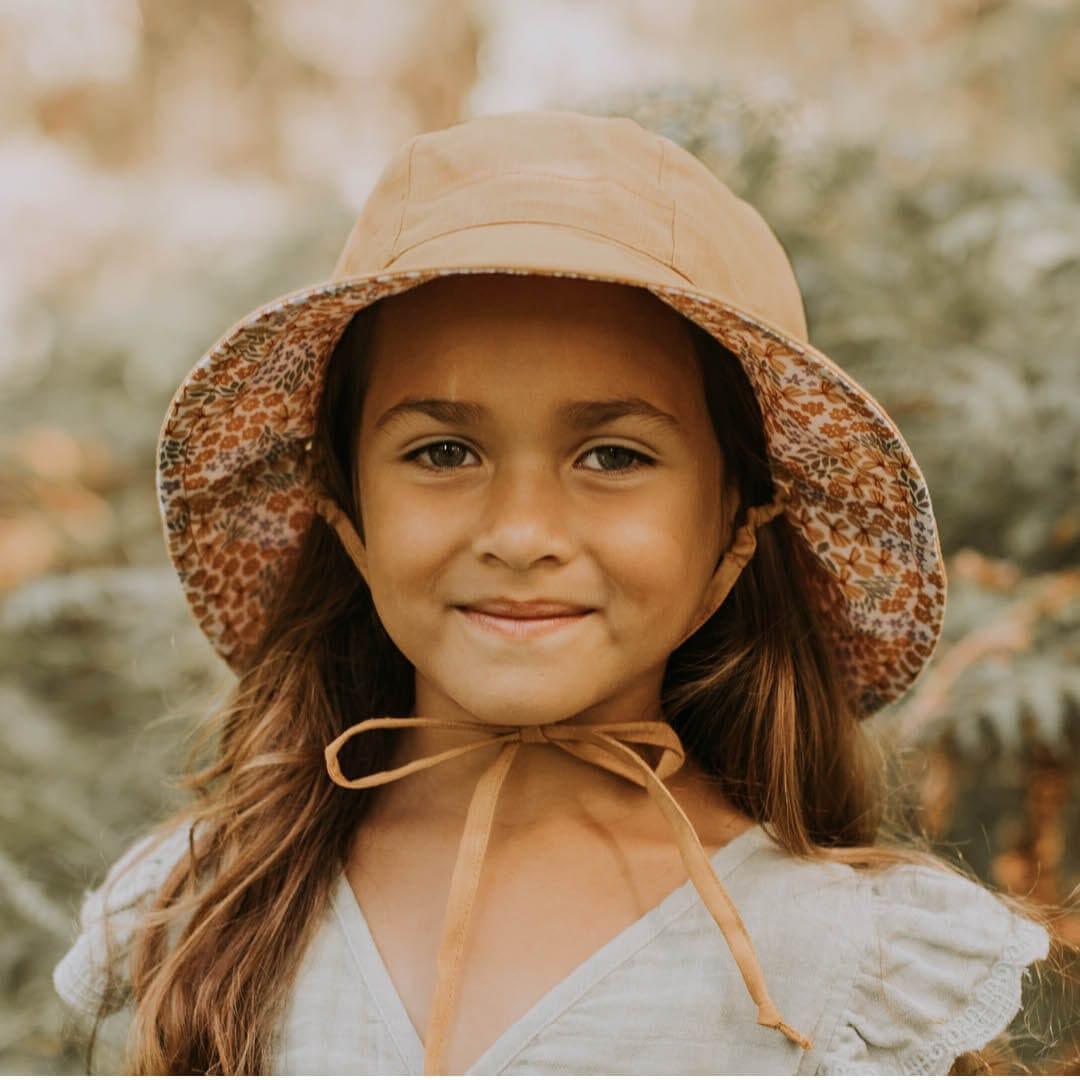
[520, 629]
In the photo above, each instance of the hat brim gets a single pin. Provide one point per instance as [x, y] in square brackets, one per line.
[232, 472]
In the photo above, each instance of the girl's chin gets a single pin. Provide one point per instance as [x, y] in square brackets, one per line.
[499, 700]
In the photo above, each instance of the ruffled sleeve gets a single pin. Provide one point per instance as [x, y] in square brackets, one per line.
[81, 976]
[941, 973]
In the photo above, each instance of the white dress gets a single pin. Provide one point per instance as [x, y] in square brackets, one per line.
[896, 973]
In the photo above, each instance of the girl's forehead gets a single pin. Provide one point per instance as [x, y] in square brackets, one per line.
[563, 328]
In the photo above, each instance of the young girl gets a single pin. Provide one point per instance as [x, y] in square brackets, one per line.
[558, 571]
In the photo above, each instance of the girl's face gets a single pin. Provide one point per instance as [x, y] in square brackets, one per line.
[488, 469]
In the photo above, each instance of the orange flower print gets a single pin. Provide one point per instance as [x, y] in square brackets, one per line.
[858, 485]
[802, 517]
[853, 560]
[774, 356]
[850, 588]
[835, 531]
[884, 561]
[791, 395]
[878, 499]
[831, 392]
[865, 534]
[900, 490]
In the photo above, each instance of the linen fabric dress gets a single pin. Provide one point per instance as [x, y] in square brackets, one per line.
[894, 972]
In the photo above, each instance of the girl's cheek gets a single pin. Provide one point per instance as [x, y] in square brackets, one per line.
[403, 523]
[652, 570]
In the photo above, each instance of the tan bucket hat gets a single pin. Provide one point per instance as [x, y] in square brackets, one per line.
[592, 197]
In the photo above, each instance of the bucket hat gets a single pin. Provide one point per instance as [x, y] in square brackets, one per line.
[554, 192]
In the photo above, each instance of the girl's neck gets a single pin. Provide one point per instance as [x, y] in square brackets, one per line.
[546, 789]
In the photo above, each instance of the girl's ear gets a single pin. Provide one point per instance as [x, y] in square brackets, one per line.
[319, 466]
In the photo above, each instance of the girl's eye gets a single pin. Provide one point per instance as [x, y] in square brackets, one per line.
[436, 447]
[639, 460]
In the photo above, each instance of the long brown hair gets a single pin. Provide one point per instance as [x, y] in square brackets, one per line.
[754, 695]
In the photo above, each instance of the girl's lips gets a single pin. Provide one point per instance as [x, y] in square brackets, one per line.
[522, 629]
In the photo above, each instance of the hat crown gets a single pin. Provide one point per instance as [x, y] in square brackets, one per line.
[606, 177]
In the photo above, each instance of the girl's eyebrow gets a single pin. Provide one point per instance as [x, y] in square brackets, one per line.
[575, 414]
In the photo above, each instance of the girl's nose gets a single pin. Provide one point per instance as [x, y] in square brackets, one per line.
[526, 516]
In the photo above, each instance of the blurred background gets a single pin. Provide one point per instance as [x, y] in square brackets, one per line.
[165, 167]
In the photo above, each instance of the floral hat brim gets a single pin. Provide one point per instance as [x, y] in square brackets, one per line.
[234, 474]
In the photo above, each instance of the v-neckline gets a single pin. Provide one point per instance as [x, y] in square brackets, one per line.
[374, 972]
